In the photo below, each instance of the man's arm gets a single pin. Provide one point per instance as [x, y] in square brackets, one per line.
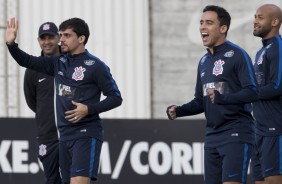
[246, 95]
[248, 92]
[274, 87]
[109, 88]
[193, 107]
[40, 64]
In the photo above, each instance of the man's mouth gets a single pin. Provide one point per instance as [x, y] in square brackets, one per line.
[47, 47]
[205, 35]
[256, 27]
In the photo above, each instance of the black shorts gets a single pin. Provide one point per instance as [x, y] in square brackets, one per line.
[256, 171]
[80, 158]
[227, 163]
[48, 154]
[269, 153]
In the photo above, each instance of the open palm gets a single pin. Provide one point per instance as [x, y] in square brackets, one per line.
[11, 30]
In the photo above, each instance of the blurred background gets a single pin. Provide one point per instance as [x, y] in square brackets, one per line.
[151, 46]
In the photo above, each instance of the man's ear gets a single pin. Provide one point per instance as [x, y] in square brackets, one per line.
[275, 22]
[81, 39]
[223, 29]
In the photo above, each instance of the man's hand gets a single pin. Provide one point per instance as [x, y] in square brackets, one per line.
[11, 30]
[171, 112]
[77, 114]
[211, 94]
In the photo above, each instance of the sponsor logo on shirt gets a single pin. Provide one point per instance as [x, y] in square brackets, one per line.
[89, 62]
[221, 87]
[78, 73]
[65, 91]
[218, 67]
[229, 53]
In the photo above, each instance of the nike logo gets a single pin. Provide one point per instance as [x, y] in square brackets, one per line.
[232, 175]
[268, 169]
[79, 170]
[40, 80]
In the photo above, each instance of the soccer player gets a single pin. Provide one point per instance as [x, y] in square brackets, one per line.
[39, 95]
[267, 162]
[224, 89]
[80, 78]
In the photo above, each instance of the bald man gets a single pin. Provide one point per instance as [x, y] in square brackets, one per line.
[267, 158]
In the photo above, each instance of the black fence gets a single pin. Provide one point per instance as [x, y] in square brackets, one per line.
[134, 151]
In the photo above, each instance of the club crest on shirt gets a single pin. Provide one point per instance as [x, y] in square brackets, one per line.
[218, 67]
[260, 59]
[42, 150]
[78, 73]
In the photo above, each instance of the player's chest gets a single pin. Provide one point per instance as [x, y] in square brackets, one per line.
[261, 61]
[216, 69]
[75, 71]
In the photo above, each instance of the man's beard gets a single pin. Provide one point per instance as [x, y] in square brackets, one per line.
[262, 33]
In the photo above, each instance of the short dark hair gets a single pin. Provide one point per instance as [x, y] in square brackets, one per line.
[223, 16]
[78, 26]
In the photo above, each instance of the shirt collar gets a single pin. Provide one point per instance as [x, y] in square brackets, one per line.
[268, 41]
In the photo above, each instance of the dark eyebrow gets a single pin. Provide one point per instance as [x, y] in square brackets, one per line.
[259, 15]
[208, 21]
[65, 34]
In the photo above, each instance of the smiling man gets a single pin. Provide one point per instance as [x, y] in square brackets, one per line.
[80, 79]
[225, 87]
[267, 158]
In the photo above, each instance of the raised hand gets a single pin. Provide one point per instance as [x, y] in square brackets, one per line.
[11, 30]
